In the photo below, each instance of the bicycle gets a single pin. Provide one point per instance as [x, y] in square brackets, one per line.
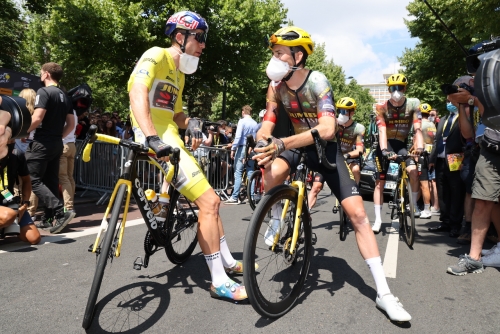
[273, 290]
[177, 235]
[343, 223]
[402, 201]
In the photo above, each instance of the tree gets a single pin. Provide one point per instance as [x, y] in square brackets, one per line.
[437, 59]
[11, 34]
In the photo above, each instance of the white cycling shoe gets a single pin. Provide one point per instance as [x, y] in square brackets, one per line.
[376, 226]
[272, 229]
[392, 306]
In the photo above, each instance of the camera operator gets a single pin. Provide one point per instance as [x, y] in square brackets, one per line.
[12, 166]
[485, 188]
[52, 109]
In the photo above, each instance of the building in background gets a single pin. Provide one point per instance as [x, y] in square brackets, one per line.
[379, 91]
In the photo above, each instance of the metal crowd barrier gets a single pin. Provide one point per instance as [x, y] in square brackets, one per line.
[107, 162]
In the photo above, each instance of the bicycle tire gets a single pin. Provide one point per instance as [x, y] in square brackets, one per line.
[343, 224]
[242, 195]
[408, 216]
[256, 197]
[102, 261]
[283, 286]
[181, 230]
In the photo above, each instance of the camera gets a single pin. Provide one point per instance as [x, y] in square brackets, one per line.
[473, 61]
[20, 117]
[452, 89]
[212, 126]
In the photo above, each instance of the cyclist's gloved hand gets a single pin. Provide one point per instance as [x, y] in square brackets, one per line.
[347, 156]
[267, 150]
[194, 127]
[388, 154]
[156, 144]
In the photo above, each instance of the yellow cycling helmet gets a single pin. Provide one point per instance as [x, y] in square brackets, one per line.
[291, 36]
[397, 79]
[346, 103]
[425, 108]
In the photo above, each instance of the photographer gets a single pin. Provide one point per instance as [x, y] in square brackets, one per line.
[11, 167]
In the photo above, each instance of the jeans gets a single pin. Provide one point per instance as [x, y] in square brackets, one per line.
[238, 170]
[43, 165]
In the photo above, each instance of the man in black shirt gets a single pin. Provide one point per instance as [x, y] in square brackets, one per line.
[53, 109]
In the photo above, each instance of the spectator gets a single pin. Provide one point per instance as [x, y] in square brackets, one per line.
[432, 172]
[246, 126]
[128, 133]
[450, 187]
[29, 95]
[119, 129]
[110, 129]
[15, 166]
[52, 109]
[84, 124]
[66, 167]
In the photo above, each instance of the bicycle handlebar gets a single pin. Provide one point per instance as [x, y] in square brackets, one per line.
[320, 144]
[92, 136]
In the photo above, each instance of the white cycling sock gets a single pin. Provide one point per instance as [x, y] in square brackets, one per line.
[214, 262]
[378, 209]
[276, 211]
[427, 207]
[227, 258]
[415, 198]
[375, 265]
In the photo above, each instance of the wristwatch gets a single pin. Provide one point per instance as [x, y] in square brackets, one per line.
[471, 101]
[28, 203]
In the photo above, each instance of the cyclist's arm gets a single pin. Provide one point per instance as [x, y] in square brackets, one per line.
[326, 129]
[382, 133]
[139, 102]
[181, 120]
[360, 146]
[418, 138]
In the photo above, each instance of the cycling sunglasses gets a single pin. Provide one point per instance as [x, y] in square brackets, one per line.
[344, 111]
[394, 88]
[200, 37]
[270, 40]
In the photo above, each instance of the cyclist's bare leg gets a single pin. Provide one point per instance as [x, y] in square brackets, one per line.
[210, 228]
[413, 175]
[434, 195]
[367, 244]
[313, 193]
[426, 193]
[276, 174]
[355, 171]
[378, 192]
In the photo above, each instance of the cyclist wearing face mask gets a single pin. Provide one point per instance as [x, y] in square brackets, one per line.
[155, 90]
[395, 118]
[307, 98]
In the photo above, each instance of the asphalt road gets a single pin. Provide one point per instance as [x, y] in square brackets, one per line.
[44, 288]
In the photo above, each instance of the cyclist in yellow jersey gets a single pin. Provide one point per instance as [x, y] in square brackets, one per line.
[155, 89]
[395, 117]
[307, 98]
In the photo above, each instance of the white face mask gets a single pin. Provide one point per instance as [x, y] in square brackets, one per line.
[342, 119]
[397, 95]
[277, 69]
[431, 119]
[188, 64]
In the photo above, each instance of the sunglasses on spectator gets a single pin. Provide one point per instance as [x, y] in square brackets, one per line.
[399, 88]
[200, 37]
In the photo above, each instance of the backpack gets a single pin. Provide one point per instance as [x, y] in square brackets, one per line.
[81, 97]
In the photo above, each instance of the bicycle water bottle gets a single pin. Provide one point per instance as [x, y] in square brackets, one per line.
[155, 204]
[164, 202]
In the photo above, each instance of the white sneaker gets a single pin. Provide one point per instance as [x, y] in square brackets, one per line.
[394, 309]
[426, 214]
[271, 231]
[435, 212]
[492, 259]
[376, 226]
[486, 252]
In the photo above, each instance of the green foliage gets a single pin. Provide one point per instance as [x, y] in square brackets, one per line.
[437, 59]
[11, 33]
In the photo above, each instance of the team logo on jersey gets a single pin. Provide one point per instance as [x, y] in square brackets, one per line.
[306, 104]
[402, 115]
[165, 95]
[294, 104]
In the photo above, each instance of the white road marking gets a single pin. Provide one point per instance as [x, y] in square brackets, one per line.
[391, 252]
[61, 237]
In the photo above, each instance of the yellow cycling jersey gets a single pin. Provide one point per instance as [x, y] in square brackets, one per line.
[156, 69]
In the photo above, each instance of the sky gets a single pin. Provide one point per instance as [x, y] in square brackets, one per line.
[365, 37]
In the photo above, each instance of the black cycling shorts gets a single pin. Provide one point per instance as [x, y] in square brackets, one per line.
[382, 164]
[318, 178]
[423, 169]
[341, 180]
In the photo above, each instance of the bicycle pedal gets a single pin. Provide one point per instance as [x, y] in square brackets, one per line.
[314, 239]
[335, 210]
[392, 205]
[138, 264]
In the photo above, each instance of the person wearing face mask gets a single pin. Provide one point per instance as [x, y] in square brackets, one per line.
[428, 132]
[155, 89]
[449, 184]
[307, 98]
[350, 135]
[395, 118]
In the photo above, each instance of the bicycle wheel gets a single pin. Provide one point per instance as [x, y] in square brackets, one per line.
[181, 229]
[275, 286]
[243, 189]
[257, 183]
[407, 218]
[105, 254]
[343, 229]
